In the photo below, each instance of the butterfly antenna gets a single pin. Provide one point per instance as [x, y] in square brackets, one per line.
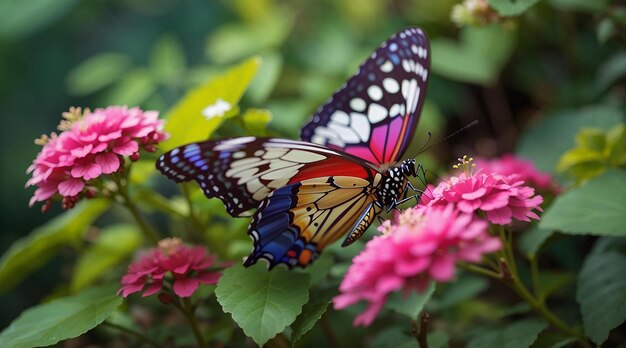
[426, 148]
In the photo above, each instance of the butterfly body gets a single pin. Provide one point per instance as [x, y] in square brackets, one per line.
[305, 195]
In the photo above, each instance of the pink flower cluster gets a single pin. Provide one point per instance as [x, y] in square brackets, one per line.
[501, 198]
[186, 267]
[421, 245]
[509, 164]
[91, 144]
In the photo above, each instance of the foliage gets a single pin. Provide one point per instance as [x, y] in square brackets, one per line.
[595, 153]
[61, 319]
[544, 78]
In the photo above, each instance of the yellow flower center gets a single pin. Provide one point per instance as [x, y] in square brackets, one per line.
[169, 245]
[465, 164]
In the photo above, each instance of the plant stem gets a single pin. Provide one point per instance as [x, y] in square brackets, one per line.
[197, 225]
[148, 231]
[479, 270]
[134, 333]
[327, 328]
[195, 221]
[510, 276]
[420, 330]
[188, 311]
[534, 274]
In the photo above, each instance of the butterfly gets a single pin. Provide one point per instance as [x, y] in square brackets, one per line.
[304, 195]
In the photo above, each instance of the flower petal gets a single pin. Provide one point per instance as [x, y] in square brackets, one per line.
[185, 287]
[71, 187]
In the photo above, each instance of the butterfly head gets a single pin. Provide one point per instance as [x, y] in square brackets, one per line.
[409, 168]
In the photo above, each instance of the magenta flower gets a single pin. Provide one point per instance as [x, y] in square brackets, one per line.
[182, 267]
[421, 245]
[510, 164]
[501, 198]
[91, 144]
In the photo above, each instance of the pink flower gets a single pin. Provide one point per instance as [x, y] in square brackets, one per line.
[421, 245]
[510, 164]
[182, 267]
[501, 198]
[91, 144]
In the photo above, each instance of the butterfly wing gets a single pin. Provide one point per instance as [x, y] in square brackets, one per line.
[295, 222]
[243, 171]
[374, 115]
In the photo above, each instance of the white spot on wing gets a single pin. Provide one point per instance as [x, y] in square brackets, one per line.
[361, 125]
[386, 67]
[341, 117]
[375, 92]
[391, 85]
[347, 134]
[357, 104]
[303, 156]
[376, 113]
[394, 110]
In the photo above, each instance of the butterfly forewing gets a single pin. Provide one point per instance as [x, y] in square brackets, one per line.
[374, 115]
[242, 172]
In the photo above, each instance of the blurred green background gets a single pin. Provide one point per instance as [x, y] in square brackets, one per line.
[561, 57]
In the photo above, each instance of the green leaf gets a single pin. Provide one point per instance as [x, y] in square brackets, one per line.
[262, 302]
[520, 334]
[167, 60]
[549, 339]
[509, 8]
[97, 72]
[477, 58]
[141, 171]
[20, 18]
[35, 250]
[113, 245]
[61, 319]
[236, 41]
[267, 77]
[133, 89]
[580, 5]
[256, 120]
[601, 293]
[531, 241]
[611, 71]
[550, 282]
[597, 208]
[186, 122]
[550, 138]
[464, 288]
[394, 337]
[411, 305]
[312, 312]
[606, 29]
[438, 339]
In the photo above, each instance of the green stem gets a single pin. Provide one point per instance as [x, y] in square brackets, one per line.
[193, 217]
[188, 310]
[134, 333]
[327, 329]
[148, 231]
[534, 274]
[542, 309]
[197, 224]
[479, 270]
[510, 276]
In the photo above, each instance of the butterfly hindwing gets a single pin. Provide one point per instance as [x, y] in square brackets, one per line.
[374, 115]
[296, 222]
